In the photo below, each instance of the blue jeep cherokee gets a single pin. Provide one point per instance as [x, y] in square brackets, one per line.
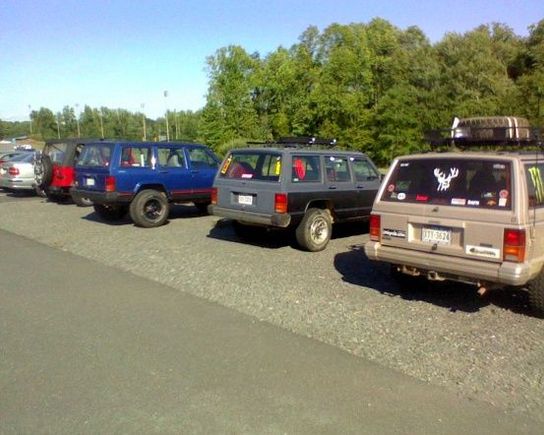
[143, 178]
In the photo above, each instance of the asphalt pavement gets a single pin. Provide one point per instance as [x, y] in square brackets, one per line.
[87, 348]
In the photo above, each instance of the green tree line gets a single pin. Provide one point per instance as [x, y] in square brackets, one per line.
[372, 86]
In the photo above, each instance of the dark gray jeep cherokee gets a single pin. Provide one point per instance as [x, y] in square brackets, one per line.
[293, 184]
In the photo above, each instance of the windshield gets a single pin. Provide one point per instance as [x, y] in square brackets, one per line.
[95, 155]
[261, 166]
[455, 182]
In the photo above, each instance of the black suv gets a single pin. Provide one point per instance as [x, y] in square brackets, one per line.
[292, 183]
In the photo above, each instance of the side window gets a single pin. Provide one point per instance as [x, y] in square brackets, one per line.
[337, 169]
[363, 170]
[305, 169]
[136, 157]
[171, 157]
[201, 159]
[535, 184]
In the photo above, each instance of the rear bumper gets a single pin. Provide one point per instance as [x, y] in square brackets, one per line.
[274, 220]
[457, 269]
[17, 184]
[101, 197]
[56, 190]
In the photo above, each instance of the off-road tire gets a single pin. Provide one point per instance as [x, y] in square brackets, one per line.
[149, 208]
[314, 231]
[81, 201]
[202, 206]
[536, 294]
[43, 172]
[110, 213]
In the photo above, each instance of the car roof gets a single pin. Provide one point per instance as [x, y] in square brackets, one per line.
[141, 143]
[487, 155]
[296, 150]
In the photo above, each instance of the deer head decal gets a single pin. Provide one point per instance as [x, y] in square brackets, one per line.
[443, 180]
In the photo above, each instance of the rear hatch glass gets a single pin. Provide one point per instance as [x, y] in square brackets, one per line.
[56, 152]
[95, 156]
[451, 181]
[250, 165]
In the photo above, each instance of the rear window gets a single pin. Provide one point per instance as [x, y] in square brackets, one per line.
[455, 182]
[55, 152]
[95, 155]
[252, 166]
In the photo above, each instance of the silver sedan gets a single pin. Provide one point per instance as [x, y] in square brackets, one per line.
[17, 174]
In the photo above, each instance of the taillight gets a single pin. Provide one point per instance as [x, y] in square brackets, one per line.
[13, 171]
[280, 202]
[513, 248]
[214, 195]
[375, 227]
[110, 184]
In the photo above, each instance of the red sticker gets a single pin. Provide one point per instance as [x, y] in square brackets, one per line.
[503, 193]
[423, 198]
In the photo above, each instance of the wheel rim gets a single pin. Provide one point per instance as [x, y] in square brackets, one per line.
[319, 230]
[153, 210]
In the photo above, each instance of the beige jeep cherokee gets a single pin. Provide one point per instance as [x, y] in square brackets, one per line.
[473, 216]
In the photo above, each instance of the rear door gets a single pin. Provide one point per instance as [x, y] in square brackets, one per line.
[203, 166]
[367, 183]
[448, 205]
[340, 185]
[174, 172]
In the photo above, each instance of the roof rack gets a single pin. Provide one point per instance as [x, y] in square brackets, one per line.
[467, 137]
[297, 142]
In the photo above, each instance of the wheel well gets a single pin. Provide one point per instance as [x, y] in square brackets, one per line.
[322, 204]
[158, 187]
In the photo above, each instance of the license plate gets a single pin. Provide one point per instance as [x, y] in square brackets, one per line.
[441, 236]
[89, 182]
[245, 199]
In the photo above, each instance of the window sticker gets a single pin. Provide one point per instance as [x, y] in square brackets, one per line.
[404, 165]
[502, 202]
[226, 165]
[391, 188]
[423, 198]
[445, 180]
[277, 168]
[401, 196]
[458, 201]
[503, 193]
[536, 178]
[499, 166]
[247, 175]
[473, 202]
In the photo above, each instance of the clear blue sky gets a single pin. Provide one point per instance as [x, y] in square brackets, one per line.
[125, 53]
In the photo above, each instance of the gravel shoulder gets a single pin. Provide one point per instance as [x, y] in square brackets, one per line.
[489, 349]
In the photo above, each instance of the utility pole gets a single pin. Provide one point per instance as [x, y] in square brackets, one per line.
[30, 117]
[77, 120]
[176, 121]
[58, 125]
[166, 116]
[100, 115]
[143, 119]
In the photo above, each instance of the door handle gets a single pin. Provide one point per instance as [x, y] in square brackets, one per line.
[359, 186]
[332, 187]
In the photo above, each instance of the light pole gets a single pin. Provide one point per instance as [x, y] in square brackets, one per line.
[143, 119]
[166, 116]
[77, 120]
[100, 114]
[58, 125]
[30, 117]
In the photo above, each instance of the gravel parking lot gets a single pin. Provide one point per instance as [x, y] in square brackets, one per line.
[487, 348]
